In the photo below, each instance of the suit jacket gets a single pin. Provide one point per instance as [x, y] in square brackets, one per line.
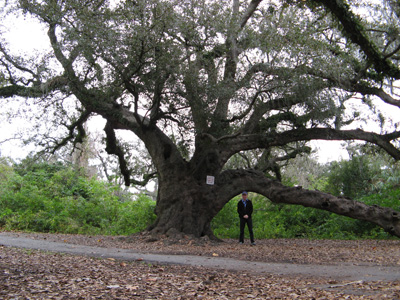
[242, 210]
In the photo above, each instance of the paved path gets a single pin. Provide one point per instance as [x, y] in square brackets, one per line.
[343, 271]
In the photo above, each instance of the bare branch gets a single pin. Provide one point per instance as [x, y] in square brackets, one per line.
[15, 63]
[366, 90]
[249, 12]
[77, 125]
[114, 148]
[146, 179]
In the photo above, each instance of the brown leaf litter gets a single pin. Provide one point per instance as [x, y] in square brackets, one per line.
[32, 274]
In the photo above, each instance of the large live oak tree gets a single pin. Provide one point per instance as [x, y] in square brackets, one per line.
[199, 82]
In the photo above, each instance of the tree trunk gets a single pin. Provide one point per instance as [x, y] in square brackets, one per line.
[186, 206]
[185, 202]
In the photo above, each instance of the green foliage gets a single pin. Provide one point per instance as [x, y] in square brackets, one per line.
[6, 168]
[135, 216]
[55, 198]
[305, 171]
[269, 220]
[226, 223]
[350, 178]
[289, 221]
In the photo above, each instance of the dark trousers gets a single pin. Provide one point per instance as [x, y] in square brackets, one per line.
[243, 223]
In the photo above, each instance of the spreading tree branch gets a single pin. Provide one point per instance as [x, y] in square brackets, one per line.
[112, 147]
[249, 12]
[146, 179]
[353, 29]
[367, 90]
[276, 139]
[256, 181]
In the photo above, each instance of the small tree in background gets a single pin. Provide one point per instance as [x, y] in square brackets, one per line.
[352, 178]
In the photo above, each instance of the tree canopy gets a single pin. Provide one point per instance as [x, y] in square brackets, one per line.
[200, 82]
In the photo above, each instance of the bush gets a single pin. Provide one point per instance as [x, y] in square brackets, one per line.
[46, 198]
[226, 223]
[134, 216]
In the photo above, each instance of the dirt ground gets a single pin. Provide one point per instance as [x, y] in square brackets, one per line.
[32, 274]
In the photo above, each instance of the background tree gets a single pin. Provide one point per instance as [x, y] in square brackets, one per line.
[201, 81]
[306, 171]
[368, 171]
[350, 178]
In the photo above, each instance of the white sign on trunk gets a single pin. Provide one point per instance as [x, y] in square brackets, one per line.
[210, 180]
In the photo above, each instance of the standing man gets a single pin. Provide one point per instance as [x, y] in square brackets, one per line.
[245, 209]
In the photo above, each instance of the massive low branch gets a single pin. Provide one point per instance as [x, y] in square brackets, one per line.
[255, 181]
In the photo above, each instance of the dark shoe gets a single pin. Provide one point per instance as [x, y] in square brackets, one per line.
[240, 242]
[253, 243]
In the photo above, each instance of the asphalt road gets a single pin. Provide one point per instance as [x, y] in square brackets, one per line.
[343, 271]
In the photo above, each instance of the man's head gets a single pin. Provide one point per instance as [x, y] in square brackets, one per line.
[244, 195]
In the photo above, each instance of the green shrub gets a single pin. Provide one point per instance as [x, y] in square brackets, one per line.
[351, 178]
[47, 198]
[226, 223]
[134, 216]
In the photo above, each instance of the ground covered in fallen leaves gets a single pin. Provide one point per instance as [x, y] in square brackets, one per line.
[31, 274]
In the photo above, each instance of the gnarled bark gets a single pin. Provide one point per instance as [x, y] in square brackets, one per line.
[187, 206]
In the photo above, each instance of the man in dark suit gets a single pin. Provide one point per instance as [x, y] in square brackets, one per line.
[245, 209]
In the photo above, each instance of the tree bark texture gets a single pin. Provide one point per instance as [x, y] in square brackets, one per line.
[185, 207]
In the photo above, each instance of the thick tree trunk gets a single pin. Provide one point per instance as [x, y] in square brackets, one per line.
[185, 202]
[187, 206]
